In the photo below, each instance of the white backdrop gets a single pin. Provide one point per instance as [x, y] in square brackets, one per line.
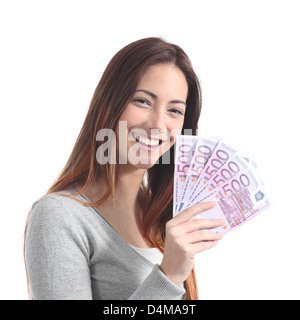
[246, 54]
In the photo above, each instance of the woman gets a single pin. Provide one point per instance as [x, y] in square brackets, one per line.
[104, 230]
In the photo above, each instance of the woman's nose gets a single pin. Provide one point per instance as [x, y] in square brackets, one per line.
[158, 120]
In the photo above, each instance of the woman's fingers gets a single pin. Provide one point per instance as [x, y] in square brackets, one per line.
[190, 212]
[197, 224]
[202, 246]
[198, 236]
[185, 237]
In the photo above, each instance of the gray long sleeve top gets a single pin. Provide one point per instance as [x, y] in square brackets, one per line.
[72, 252]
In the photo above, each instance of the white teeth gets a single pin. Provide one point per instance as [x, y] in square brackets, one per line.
[146, 141]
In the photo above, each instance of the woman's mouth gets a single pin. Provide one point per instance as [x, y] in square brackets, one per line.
[147, 143]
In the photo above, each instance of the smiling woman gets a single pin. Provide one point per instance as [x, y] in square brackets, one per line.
[105, 230]
[157, 108]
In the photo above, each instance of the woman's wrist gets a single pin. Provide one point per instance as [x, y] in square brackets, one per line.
[169, 276]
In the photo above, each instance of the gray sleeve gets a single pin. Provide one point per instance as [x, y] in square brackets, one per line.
[58, 264]
[57, 257]
[157, 287]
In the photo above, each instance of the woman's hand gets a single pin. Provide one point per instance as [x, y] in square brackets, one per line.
[184, 238]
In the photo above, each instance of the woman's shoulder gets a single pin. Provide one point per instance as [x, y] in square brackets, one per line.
[57, 208]
[52, 201]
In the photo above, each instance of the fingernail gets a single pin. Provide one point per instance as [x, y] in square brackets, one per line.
[221, 222]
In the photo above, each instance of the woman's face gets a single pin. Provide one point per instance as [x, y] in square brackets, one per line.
[154, 116]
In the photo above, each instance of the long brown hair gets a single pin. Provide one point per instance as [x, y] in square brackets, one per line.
[113, 93]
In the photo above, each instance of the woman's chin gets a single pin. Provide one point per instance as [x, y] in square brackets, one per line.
[144, 164]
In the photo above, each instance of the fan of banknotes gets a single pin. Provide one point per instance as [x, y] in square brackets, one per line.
[208, 169]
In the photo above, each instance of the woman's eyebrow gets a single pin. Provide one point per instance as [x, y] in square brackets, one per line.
[154, 96]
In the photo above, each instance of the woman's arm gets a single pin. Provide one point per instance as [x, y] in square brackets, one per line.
[157, 287]
[58, 264]
[57, 258]
[185, 238]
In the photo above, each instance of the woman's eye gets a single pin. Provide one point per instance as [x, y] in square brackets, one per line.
[176, 111]
[142, 101]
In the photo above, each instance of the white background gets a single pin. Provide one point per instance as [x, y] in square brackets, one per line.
[246, 54]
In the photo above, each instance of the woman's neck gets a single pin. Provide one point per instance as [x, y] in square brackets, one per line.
[128, 187]
[122, 212]
[129, 184]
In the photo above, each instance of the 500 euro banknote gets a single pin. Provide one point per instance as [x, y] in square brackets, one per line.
[203, 151]
[221, 154]
[184, 150]
[238, 200]
[230, 179]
